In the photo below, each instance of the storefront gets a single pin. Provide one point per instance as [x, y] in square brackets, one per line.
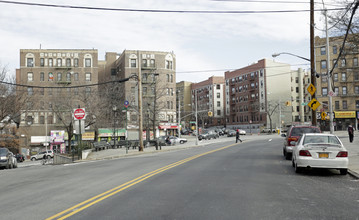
[57, 141]
[168, 128]
[106, 134]
[345, 118]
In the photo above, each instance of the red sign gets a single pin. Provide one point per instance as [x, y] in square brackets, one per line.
[79, 113]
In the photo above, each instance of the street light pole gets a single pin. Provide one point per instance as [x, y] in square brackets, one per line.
[179, 116]
[140, 119]
[196, 118]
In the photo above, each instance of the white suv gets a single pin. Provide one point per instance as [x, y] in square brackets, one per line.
[49, 154]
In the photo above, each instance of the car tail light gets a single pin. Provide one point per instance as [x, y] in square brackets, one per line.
[290, 140]
[342, 154]
[304, 153]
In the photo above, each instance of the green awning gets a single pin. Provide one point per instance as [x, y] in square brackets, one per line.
[108, 132]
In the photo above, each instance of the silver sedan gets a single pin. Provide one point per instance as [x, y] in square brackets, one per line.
[315, 150]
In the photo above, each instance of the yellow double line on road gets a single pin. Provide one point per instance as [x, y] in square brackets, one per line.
[96, 199]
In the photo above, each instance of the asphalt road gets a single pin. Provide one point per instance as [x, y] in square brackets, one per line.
[250, 180]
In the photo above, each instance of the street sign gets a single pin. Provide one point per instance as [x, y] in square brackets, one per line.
[304, 103]
[311, 89]
[79, 114]
[210, 114]
[331, 93]
[314, 104]
[126, 103]
[324, 115]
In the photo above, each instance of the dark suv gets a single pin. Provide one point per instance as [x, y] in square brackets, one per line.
[208, 135]
[293, 134]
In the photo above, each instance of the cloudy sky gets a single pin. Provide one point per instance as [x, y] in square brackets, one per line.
[205, 44]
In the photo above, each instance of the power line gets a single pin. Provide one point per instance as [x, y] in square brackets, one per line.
[159, 10]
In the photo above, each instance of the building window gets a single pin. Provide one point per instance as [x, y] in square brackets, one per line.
[322, 51]
[297, 89]
[49, 117]
[42, 62]
[345, 104]
[357, 104]
[336, 105]
[88, 76]
[168, 64]
[50, 62]
[76, 76]
[218, 104]
[76, 62]
[59, 62]
[88, 90]
[325, 105]
[68, 62]
[343, 62]
[59, 76]
[334, 63]
[168, 77]
[42, 91]
[42, 120]
[218, 95]
[30, 62]
[336, 90]
[87, 62]
[335, 50]
[144, 90]
[133, 63]
[171, 92]
[356, 76]
[68, 77]
[168, 104]
[344, 90]
[76, 91]
[30, 77]
[171, 76]
[49, 90]
[218, 112]
[335, 76]
[30, 91]
[42, 77]
[355, 61]
[324, 91]
[168, 91]
[344, 77]
[323, 64]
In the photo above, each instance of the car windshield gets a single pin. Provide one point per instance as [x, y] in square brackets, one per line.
[3, 151]
[321, 140]
[301, 130]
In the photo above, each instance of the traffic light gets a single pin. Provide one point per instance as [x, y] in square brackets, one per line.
[210, 114]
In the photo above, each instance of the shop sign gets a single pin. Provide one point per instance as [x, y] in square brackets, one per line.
[88, 136]
[57, 136]
[346, 114]
[105, 132]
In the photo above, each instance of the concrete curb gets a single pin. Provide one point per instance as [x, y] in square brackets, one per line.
[353, 174]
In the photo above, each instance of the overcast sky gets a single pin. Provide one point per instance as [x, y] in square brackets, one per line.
[202, 42]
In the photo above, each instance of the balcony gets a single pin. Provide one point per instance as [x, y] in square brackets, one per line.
[148, 67]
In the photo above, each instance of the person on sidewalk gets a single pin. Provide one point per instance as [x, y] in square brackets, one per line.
[238, 136]
[351, 133]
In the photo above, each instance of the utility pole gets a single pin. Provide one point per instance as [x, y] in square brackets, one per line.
[312, 58]
[329, 77]
[179, 116]
[140, 119]
[195, 96]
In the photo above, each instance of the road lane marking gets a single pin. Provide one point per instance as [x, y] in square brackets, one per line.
[96, 199]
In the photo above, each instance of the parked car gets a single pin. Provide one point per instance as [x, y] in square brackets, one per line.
[315, 150]
[208, 135]
[293, 134]
[242, 132]
[176, 140]
[231, 133]
[13, 160]
[20, 158]
[49, 154]
[6, 160]
[268, 130]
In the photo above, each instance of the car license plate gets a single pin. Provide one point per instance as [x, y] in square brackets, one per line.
[323, 155]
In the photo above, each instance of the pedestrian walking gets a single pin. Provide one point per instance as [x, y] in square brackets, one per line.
[351, 133]
[238, 136]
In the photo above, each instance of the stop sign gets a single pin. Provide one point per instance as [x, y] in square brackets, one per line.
[79, 113]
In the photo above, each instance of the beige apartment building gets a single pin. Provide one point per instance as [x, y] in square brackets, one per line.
[184, 103]
[210, 102]
[49, 93]
[345, 82]
[158, 76]
[256, 96]
[300, 80]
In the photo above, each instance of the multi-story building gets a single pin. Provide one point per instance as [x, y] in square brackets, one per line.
[344, 79]
[184, 103]
[300, 80]
[256, 96]
[158, 75]
[47, 103]
[210, 101]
